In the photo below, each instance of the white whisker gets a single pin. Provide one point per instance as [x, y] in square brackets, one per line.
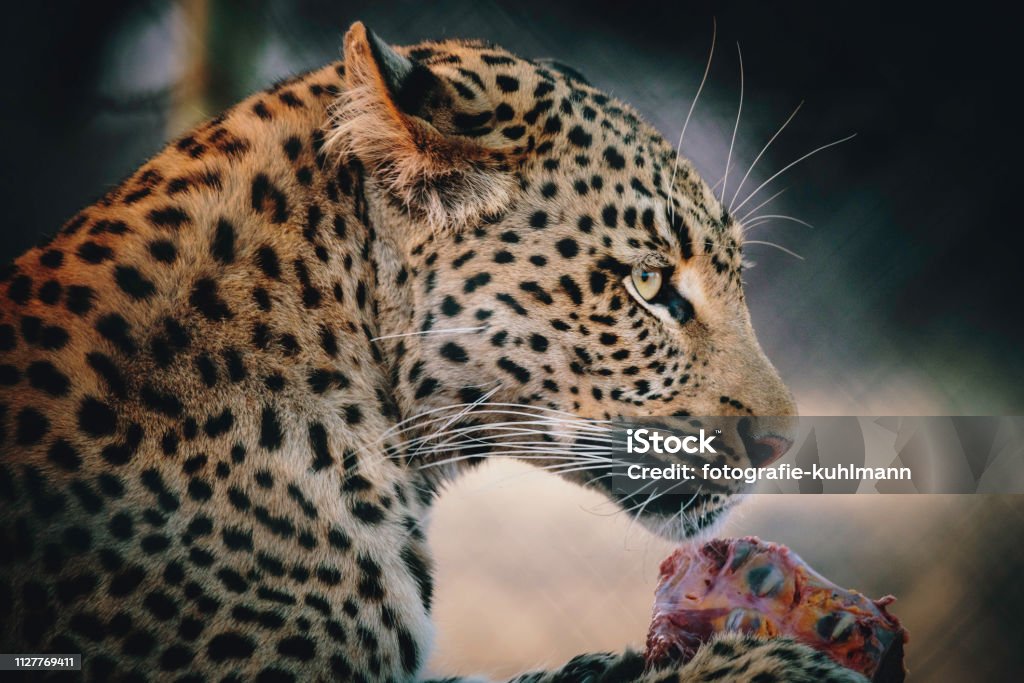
[776, 246]
[567, 469]
[693, 105]
[735, 128]
[449, 330]
[763, 204]
[633, 520]
[463, 438]
[791, 165]
[503, 454]
[459, 406]
[517, 427]
[392, 429]
[768, 218]
[537, 446]
[760, 154]
[468, 408]
[595, 452]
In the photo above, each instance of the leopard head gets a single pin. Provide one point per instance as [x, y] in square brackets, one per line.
[552, 264]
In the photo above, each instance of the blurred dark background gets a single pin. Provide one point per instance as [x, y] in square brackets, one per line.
[909, 297]
[908, 300]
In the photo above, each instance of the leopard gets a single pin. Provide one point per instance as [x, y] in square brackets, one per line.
[232, 388]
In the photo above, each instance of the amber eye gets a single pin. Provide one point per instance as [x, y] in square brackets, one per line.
[647, 281]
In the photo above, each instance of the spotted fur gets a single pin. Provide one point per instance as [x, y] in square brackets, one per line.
[202, 373]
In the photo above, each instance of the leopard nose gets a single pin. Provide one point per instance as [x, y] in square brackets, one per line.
[766, 439]
[764, 450]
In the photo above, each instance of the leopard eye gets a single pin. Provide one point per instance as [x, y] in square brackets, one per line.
[647, 281]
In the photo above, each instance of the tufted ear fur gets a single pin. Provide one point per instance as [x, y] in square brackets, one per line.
[399, 118]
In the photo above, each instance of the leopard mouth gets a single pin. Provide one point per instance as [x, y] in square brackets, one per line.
[673, 516]
[686, 522]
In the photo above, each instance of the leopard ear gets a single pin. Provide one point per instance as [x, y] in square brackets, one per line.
[399, 118]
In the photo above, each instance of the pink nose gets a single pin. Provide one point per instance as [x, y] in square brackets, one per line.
[764, 450]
